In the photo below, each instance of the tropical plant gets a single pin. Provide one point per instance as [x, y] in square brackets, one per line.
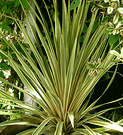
[60, 73]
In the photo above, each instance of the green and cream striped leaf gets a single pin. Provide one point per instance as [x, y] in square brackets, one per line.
[17, 122]
[41, 126]
[59, 128]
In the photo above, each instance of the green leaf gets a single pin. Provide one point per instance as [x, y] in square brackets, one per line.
[16, 122]
[88, 21]
[90, 131]
[111, 25]
[120, 10]
[115, 19]
[25, 4]
[25, 132]
[1, 3]
[74, 4]
[113, 126]
[9, 21]
[113, 39]
[119, 24]
[95, 26]
[107, 33]
[3, 57]
[106, 1]
[4, 66]
[110, 10]
[104, 4]
[90, 65]
[122, 51]
[6, 9]
[59, 128]
[105, 19]
[115, 53]
[85, 28]
[107, 76]
[17, 3]
[1, 74]
[81, 39]
[71, 117]
[40, 127]
[6, 27]
[116, 60]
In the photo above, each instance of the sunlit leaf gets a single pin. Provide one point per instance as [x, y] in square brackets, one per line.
[115, 53]
[110, 10]
[115, 19]
[119, 24]
[16, 122]
[122, 51]
[113, 126]
[120, 10]
[106, 1]
[116, 60]
[71, 117]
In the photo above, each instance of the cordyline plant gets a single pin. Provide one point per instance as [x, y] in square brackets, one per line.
[59, 80]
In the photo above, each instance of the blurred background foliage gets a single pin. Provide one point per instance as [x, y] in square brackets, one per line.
[111, 13]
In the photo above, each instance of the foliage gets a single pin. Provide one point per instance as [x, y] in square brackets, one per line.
[119, 56]
[10, 7]
[8, 27]
[7, 72]
[116, 116]
[56, 74]
[112, 15]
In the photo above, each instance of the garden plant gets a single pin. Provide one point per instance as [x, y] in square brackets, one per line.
[60, 72]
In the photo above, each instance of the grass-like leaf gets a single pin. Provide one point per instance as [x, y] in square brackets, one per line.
[59, 128]
[41, 126]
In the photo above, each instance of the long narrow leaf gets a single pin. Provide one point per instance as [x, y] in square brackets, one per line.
[40, 127]
[59, 128]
